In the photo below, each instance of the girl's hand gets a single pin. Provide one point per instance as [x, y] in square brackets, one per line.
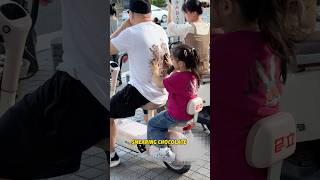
[168, 61]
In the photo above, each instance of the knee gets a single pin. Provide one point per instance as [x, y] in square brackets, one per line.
[151, 122]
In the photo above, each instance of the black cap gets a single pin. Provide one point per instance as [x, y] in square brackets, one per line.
[140, 6]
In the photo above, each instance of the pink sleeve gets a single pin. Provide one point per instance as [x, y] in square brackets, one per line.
[169, 83]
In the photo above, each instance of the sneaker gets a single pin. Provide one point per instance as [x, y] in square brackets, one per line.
[113, 159]
[163, 154]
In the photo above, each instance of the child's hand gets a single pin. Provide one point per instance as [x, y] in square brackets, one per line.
[168, 61]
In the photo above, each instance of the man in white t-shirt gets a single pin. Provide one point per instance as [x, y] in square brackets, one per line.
[144, 41]
[45, 133]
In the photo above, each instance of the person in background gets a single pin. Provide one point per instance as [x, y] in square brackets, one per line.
[250, 67]
[156, 20]
[114, 24]
[195, 33]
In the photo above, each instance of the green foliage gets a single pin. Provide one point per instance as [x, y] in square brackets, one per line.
[159, 3]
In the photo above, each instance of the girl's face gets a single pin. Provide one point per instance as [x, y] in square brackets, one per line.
[191, 16]
[175, 63]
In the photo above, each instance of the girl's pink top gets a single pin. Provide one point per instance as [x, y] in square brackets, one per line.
[245, 88]
[182, 87]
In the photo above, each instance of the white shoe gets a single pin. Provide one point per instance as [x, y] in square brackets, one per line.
[163, 154]
[114, 159]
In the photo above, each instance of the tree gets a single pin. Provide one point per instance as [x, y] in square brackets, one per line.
[159, 3]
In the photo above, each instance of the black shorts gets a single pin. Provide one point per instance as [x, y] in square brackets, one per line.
[125, 102]
[45, 133]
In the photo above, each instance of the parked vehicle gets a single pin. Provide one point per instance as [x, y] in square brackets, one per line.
[157, 12]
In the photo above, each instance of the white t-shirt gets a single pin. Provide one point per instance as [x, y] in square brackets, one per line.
[84, 44]
[143, 42]
[182, 30]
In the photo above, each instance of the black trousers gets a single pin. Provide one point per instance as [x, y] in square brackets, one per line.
[45, 133]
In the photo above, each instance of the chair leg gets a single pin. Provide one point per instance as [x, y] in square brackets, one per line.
[204, 128]
[274, 172]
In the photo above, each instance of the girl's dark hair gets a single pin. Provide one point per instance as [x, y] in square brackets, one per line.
[194, 6]
[113, 10]
[189, 56]
[271, 23]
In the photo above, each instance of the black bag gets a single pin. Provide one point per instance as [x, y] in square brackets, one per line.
[204, 118]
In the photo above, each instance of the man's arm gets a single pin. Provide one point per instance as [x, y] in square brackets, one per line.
[125, 25]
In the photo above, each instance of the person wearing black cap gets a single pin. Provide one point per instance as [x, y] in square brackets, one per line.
[144, 41]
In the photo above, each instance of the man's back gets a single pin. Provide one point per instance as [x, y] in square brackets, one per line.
[144, 42]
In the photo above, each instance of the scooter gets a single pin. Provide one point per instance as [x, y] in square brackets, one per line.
[128, 130]
[15, 24]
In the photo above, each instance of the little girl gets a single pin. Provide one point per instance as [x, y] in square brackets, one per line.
[182, 86]
[250, 66]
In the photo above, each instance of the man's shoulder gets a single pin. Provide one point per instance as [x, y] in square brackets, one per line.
[150, 25]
